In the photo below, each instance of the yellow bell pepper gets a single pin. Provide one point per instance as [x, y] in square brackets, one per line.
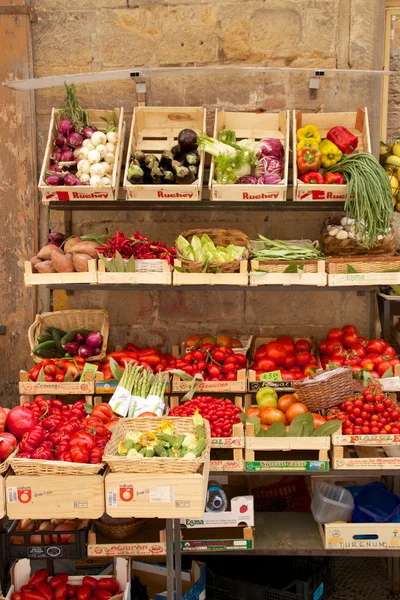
[330, 154]
[309, 142]
[309, 132]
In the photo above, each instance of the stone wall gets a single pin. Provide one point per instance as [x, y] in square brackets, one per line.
[91, 35]
[394, 82]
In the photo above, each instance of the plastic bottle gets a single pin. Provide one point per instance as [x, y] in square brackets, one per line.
[216, 500]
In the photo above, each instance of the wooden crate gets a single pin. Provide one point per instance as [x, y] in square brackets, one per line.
[86, 387]
[163, 277]
[61, 496]
[83, 192]
[31, 278]
[169, 496]
[226, 452]
[280, 386]
[366, 270]
[241, 278]
[153, 130]
[253, 126]
[312, 452]
[2, 495]
[222, 387]
[356, 122]
[274, 273]
[366, 451]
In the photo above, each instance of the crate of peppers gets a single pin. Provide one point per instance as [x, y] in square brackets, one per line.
[321, 141]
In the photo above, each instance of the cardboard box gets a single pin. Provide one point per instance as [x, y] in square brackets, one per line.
[360, 536]
[154, 577]
[241, 511]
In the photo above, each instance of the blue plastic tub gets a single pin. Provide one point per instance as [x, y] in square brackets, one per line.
[375, 504]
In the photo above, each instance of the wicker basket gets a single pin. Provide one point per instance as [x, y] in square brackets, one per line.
[28, 466]
[93, 319]
[326, 389]
[220, 237]
[364, 264]
[4, 465]
[349, 247]
[120, 531]
[124, 464]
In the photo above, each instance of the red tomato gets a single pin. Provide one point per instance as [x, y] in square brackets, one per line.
[357, 370]
[324, 361]
[335, 334]
[390, 351]
[287, 342]
[318, 420]
[265, 364]
[367, 364]
[3, 417]
[8, 443]
[276, 352]
[363, 340]
[290, 361]
[333, 347]
[384, 366]
[349, 329]
[359, 350]
[302, 345]
[375, 346]
[103, 412]
[338, 361]
[303, 358]
[394, 362]
[253, 411]
[287, 376]
[270, 415]
[19, 421]
[322, 346]
[310, 370]
[192, 340]
[296, 409]
[349, 339]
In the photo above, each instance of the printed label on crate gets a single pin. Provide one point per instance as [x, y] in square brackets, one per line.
[215, 545]
[367, 440]
[367, 278]
[390, 384]
[46, 387]
[271, 376]
[66, 195]
[211, 386]
[227, 465]
[288, 465]
[12, 496]
[262, 196]
[106, 387]
[128, 549]
[322, 195]
[368, 462]
[81, 504]
[161, 194]
[362, 538]
[254, 386]
[112, 498]
[163, 493]
[43, 551]
[23, 495]
[230, 442]
[126, 493]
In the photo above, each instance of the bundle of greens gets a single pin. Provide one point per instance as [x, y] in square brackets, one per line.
[233, 160]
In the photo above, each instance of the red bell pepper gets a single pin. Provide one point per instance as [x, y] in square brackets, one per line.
[312, 177]
[343, 138]
[334, 178]
[37, 578]
[59, 579]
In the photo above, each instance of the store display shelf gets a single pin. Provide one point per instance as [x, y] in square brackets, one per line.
[232, 288]
[202, 205]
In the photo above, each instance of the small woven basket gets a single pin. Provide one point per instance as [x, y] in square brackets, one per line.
[125, 464]
[349, 247]
[29, 466]
[120, 531]
[93, 319]
[324, 390]
[220, 237]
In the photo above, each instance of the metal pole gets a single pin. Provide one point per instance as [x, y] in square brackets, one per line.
[170, 559]
[178, 557]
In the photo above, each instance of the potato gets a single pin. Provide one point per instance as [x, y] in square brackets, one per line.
[46, 266]
[71, 242]
[85, 248]
[45, 252]
[62, 262]
[81, 262]
[35, 260]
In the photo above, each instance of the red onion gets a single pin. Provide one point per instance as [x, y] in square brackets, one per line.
[56, 237]
[94, 339]
[55, 168]
[66, 127]
[56, 156]
[96, 351]
[269, 164]
[61, 140]
[268, 179]
[71, 179]
[80, 338]
[88, 131]
[85, 351]
[55, 179]
[247, 179]
[75, 139]
[270, 147]
[72, 348]
[67, 155]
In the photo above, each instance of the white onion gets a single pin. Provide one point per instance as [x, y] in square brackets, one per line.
[109, 158]
[84, 166]
[102, 149]
[112, 137]
[110, 147]
[95, 181]
[106, 181]
[85, 178]
[83, 152]
[88, 144]
[76, 151]
[94, 156]
[97, 169]
[98, 137]
[107, 167]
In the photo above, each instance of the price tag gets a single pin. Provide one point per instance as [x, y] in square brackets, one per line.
[89, 368]
[271, 376]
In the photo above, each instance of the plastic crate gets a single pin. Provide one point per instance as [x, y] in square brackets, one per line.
[57, 549]
[288, 579]
[288, 495]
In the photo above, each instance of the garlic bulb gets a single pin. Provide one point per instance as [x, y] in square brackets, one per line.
[98, 137]
[333, 231]
[342, 235]
[107, 167]
[84, 177]
[346, 221]
[112, 137]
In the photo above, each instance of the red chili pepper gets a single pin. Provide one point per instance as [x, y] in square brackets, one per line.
[132, 347]
[90, 581]
[83, 592]
[60, 592]
[58, 580]
[44, 589]
[109, 583]
[33, 374]
[38, 577]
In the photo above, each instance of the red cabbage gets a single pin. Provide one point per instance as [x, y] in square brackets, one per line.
[268, 179]
[270, 147]
[247, 179]
[269, 164]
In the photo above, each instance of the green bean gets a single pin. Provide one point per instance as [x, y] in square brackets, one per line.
[279, 250]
